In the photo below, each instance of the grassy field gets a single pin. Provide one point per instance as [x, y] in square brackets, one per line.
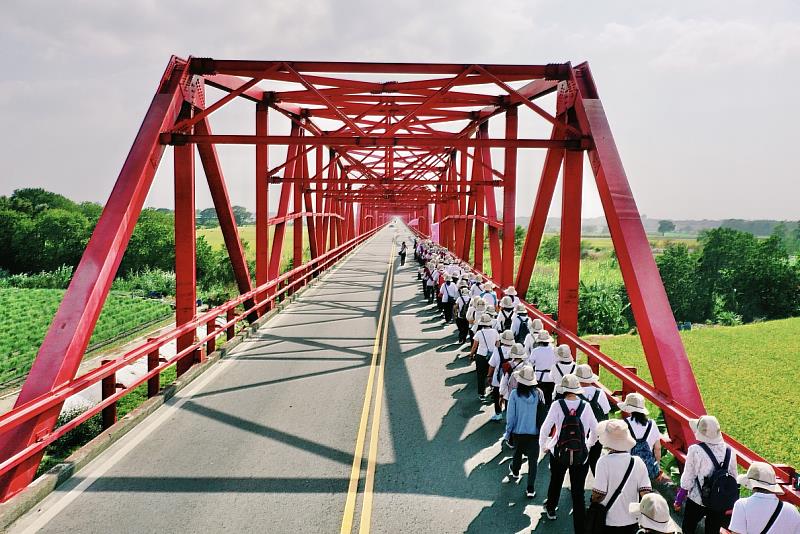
[748, 378]
[247, 234]
[27, 314]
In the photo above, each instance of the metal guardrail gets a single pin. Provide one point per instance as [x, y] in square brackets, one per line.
[264, 296]
[785, 474]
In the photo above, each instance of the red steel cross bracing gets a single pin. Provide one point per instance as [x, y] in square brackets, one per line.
[385, 140]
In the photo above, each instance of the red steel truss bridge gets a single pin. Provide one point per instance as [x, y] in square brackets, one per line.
[435, 146]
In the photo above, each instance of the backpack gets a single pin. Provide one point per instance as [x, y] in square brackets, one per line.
[598, 412]
[507, 320]
[462, 311]
[642, 450]
[541, 409]
[719, 490]
[523, 331]
[570, 447]
[505, 365]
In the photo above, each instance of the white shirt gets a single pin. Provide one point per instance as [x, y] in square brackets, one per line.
[487, 339]
[490, 297]
[475, 290]
[607, 478]
[542, 359]
[554, 419]
[502, 316]
[638, 431]
[529, 342]
[699, 466]
[448, 291]
[602, 399]
[494, 361]
[508, 383]
[750, 515]
[462, 302]
[516, 322]
[559, 369]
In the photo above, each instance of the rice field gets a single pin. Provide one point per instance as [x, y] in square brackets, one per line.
[247, 234]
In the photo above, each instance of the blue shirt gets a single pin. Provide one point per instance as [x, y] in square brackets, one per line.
[521, 413]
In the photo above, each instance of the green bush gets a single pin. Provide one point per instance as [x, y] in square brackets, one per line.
[148, 280]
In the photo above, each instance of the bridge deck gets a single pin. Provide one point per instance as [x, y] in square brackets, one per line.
[264, 440]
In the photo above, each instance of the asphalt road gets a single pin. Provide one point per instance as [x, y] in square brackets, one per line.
[264, 441]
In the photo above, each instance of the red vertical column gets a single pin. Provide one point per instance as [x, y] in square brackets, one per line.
[490, 206]
[283, 208]
[297, 221]
[463, 204]
[185, 261]
[509, 199]
[262, 198]
[569, 265]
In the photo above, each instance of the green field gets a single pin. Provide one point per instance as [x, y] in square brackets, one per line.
[27, 314]
[748, 376]
[247, 234]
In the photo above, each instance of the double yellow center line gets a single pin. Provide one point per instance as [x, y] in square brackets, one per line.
[374, 389]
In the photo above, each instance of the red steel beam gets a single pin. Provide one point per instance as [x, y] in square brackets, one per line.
[506, 275]
[262, 199]
[569, 264]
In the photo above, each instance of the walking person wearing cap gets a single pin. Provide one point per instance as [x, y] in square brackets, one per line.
[461, 309]
[523, 415]
[530, 340]
[542, 358]
[499, 363]
[598, 402]
[508, 382]
[511, 292]
[448, 294]
[477, 307]
[438, 279]
[505, 318]
[564, 435]
[644, 431]
[521, 325]
[486, 340]
[762, 512]
[430, 283]
[488, 294]
[564, 365]
[711, 456]
[402, 253]
[620, 480]
[653, 516]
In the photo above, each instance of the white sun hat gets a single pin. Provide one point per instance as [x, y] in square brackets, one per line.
[633, 403]
[525, 375]
[507, 338]
[476, 301]
[537, 325]
[653, 514]
[760, 475]
[510, 290]
[446, 277]
[543, 337]
[487, 286]
[585, 374]
[564, 354]
[506, 302]
[615, 435]
[486, 320]
[464, 291]
[706, 429]
[570, 384]
[521, 309]
[518, 352]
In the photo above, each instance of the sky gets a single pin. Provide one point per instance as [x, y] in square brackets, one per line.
[701, 96]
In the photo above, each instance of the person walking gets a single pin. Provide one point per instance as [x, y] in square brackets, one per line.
[402, 253]
[621, 480]
[430, 282]
[448, 294]
[530, 340]
[521, 325]
[511, 292]
[505, 318]
[564, 436]
[525, 405]
[499, 363]
[542, 358]
[563, 365]
[486, 340]
[598, 402]
[710, 469]
[762, 512]
[488, 294]
[461, 308]
[644, 431]
[476, 310]
[508, 381]
[652, 514]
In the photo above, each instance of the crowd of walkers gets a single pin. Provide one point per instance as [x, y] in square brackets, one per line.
[555, 410]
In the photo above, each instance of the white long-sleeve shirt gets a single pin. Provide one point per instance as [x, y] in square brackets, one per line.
[751, 515]
[542, 359]
[555, 418]
[699, 466]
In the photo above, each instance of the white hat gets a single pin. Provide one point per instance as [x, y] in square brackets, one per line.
[706, 429]
[521, 309]
[475, 300]
[518, 352]
[537, 325]
[653, 514]
[543, 336]
[585, 374]
[486, 320]
[525, 375]
[506, 302]
[441, 267]
[510, 290]
[570, 384]
[507, 337]
[564, 354]
[488, 285]
[446, 277]
[633, 403]
[464, 291]
[463, 283]
[760, 475]
[615, 435]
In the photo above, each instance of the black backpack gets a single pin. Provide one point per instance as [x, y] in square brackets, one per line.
[594, 404]
[719, 490]
[507, 320]
[462, 311]
[571, 444]
[523, 331]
